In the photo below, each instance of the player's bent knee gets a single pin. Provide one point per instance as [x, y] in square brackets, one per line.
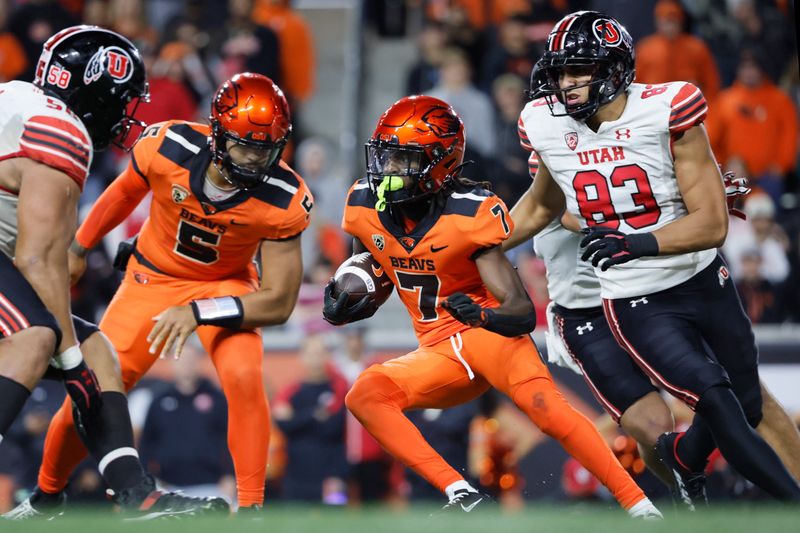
[243, 383]
[373, 388]
[102, 358]
[40, 342]
[546, 408]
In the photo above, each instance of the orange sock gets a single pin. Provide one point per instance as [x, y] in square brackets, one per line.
[550, 411]
[237, 357]
[378, 403]
[63, 451]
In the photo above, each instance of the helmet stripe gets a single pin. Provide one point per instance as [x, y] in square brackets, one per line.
[560, 32]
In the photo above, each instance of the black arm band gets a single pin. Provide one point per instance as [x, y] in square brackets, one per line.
[641, 244]
[224, 312]
[509, 325]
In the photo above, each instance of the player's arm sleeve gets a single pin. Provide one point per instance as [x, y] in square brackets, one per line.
[58, 144]
[687, 109]
[116, 203]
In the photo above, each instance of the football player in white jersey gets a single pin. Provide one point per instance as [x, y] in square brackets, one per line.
[633, 164]
[86, 79]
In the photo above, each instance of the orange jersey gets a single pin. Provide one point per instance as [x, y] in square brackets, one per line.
[186, 235]
[436, 259]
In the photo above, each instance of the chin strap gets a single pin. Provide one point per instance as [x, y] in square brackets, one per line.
[390, 183]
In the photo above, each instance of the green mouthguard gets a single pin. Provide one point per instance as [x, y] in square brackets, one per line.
[389, 183]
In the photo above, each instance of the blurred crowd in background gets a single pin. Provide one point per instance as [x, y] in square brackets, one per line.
[477, 55]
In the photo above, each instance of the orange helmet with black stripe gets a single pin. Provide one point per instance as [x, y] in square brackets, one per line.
[419, 139]
[249, 110]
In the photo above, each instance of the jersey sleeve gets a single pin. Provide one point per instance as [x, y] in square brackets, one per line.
[533, 164]
[524, 140]
[492, 223]
[687, 109]
[359, 195]
[296, 218]
[59, 144]
[145, 149]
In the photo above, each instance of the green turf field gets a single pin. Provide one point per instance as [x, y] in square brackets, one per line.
[544, 519]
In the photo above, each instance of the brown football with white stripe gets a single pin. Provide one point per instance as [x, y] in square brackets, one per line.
[361, 275]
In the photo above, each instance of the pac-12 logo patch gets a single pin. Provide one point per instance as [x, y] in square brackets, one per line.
[113, 59]
[179, 194]
[379, 241]
[723, 275]
[572, 139]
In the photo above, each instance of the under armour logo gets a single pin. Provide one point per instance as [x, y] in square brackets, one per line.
[642, 301]
[623, 133]
[581, 329]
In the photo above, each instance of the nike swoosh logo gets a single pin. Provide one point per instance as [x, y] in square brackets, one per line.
[234, 223]
[434, 249]
[471, 506]
[377, 271]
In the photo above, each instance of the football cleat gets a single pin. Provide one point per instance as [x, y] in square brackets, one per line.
[145, 502]
[465, 502]
[690, 487]
[39, 505]
[645, 510]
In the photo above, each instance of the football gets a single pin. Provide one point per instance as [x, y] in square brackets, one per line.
[361, 275]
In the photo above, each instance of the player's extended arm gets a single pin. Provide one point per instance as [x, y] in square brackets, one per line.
[115, 205]
[515, 315]
[272, 303]
[700, 184]
[541, 203]
[281, 276]
[704, 227]
[47, 216]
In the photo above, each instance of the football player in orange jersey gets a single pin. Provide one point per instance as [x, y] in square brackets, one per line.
[221, 197]
[438, 236]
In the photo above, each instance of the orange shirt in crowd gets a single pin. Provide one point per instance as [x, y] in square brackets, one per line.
[296, 43]
[758, 125]
[12, 58]
[685, 58]
[483, 12]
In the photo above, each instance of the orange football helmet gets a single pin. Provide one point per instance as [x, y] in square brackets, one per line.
[418, 136]
[249, 110]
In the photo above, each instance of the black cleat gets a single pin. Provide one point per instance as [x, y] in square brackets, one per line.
[253, 512]
[145, 502]
[465, 502]
[690, 487]
[39, 505]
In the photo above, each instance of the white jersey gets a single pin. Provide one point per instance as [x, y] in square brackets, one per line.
[36, 126]
[622, 176]
[571, 282]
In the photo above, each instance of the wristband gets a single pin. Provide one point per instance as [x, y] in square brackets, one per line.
[68, 359]
[509, 325]
[224, 312]
[641, 244]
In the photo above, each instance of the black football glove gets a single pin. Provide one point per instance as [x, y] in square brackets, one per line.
[466, 311]
[83, 389]
[615, 247]
[336, 311]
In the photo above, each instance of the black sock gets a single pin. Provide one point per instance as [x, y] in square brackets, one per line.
[13, 395]
[108, 436]
[742, 447]
[694, 446]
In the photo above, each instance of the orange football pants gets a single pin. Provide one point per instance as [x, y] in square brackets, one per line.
[236, 355]
[460, 369]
